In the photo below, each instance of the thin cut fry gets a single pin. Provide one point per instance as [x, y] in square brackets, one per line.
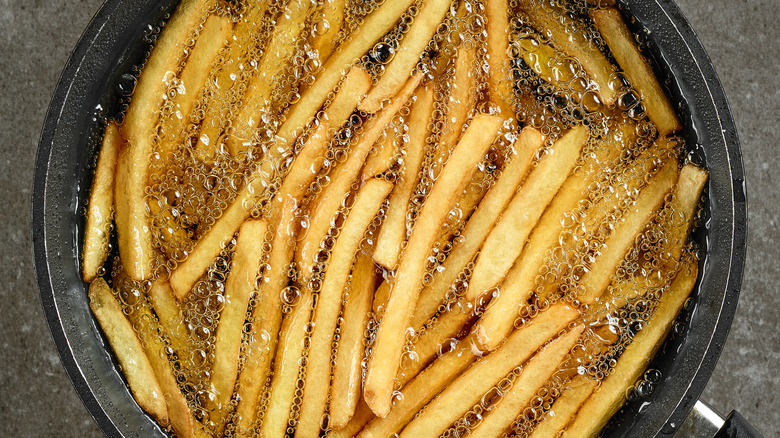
[479, 224]
[347, 372]
[407, 55]
[507, 238]
[168, 312]
[393, 231]
[382, 155]
[266, 320]
[132, 223]
[499, 79]
[611, 394]
[380, 298]
[353, 88]
[569, 36]
[535, 373]
[362, 416]
[238, 289]
[304, 169]
[564, 408]
[97, 231]
[640, 74]
[128, 350]
[469, 388]
[384, 362]
[328, 28]
[327, 203]
[545, 61]
[288, 362]
[315, 396]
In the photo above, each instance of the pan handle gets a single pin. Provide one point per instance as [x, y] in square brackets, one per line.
[703, 421]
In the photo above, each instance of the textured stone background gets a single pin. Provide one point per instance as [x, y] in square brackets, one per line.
[36, 397]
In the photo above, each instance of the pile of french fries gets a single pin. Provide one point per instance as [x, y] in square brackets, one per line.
[409, 218]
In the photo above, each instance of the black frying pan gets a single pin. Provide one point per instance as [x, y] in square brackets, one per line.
[93, 85]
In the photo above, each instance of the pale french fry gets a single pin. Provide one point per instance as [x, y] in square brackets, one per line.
[328, 28]
[384, 361]
[315, 396]
[569, 36]
[238, 289]
[393, 231]
[535, 373]
[277, 54]
[132, 224]
[212, 38]
[479, 224]
[97, 231]
[407, 55]
[500, 74]
[382, 155]
[128, 350]
[507, 238]
[362, 416]
[289, 359]
[447, 368]
[266, 320]
[598, 276]
[353, 88]
[169, 314]
[327, 203]
[564, 408]
[640, 74]
[471, 385]
[687, 195]
[380, 298]
[347, 372]
[611, 394]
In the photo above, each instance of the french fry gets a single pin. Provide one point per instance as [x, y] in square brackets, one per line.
[471, 385]
[640, 74]
[213, 37]
[327, 203]
[315, 396]
[564, 408]
[347, 371]
[568, 35]
[128, 350]
[611, 394]
[169, 314]
[382, 154]
[328, 28]
[239, 287]
[598, 276]
[500, 73]
[278, 53]
[210, 244]
[393, 231]
[535, 373]
[545, 61]
[507, 238]
[380, 298]
[384, 361]
[289, 359]
[479, 224]
[362, 416]
[97, 231]
[132, 223]
[266, 320]
[407, 55]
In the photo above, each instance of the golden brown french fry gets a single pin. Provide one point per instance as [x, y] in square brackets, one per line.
[598, 276]
[393, 231]
[290, 356]
[239, 287]
[569, 36]
[508, 236]
[535, 373]
[315, 396]
[100, 210]
[564, 408]
[447, 368]
[611, 393]
[390, 338]
[407, 55]
[687, 195]
[211, 39]
[327, 203]
[128, 350]
[168, 311]
[545, 61]
[362, 416]
[471, 385]
[640, 74]
[382, 154]
[479, 224]
[132, 224]
[380, 298]
[328, 28]
[347, 371]
[500, 74]
[266, 320]
[290, 27]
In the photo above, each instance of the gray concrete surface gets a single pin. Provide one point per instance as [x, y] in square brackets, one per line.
[36, 397]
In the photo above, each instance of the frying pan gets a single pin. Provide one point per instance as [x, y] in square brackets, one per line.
[95, 83]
